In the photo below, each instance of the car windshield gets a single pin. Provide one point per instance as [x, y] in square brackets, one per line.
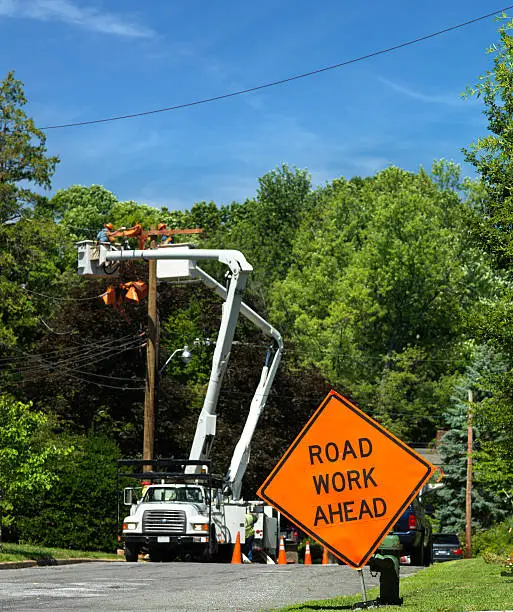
[446, 538]
[172, 494]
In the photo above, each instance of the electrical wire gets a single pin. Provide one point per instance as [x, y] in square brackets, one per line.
[119, 342]
[70, 353]
[281, 81]
[84, 360]
[62, 369]
[93, 382]
[105, 385]
[34, 372]
[56, 333]
[63, 299]
[132, 378]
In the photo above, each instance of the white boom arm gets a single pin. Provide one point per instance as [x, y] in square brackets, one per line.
[239, 271]
[206, 427]
[241, 454]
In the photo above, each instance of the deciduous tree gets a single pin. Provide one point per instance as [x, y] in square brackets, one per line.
[23, 155]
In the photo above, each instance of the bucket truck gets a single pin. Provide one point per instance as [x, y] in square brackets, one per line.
[186, 511]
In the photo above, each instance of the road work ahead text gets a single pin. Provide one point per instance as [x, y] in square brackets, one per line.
[343, 481]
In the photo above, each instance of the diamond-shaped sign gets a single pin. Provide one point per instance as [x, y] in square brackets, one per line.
[345, 480]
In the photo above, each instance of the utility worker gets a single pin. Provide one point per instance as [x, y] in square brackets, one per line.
[162, 228]
[102, 234]
[249, 524]
[164, 239]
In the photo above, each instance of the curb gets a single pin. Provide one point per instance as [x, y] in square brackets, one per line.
[50, 562]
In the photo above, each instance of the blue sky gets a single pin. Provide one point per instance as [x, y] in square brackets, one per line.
[88, 59]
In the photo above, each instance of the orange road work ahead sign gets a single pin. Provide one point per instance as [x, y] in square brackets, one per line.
[345, 480]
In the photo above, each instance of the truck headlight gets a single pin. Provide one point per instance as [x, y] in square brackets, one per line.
[129, 526]
[200, 526]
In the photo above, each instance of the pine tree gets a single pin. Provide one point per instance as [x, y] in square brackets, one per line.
[487, 508]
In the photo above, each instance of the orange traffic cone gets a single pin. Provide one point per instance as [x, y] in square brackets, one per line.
[325, 558]
[308, 556]
[282, 555]
[237, 553]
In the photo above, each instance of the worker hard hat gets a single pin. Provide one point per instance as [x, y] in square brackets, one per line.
[109, 226]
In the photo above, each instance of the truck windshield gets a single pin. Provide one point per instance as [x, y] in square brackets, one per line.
[173, 494]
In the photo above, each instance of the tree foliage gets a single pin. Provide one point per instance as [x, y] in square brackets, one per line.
[492, 156]
[28, 252]
[23, 158]
[79, 509]
[379, 289]
[469, 392]
[265, 228]
[28, 453]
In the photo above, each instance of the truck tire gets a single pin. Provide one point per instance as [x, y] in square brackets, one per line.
[224, 553]
[214, 544]
[131, 553]
[211, 550]
[417, 554]
[428, 553]
[156, 555]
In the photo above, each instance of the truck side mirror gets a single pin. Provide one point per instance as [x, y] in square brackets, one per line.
[127, 496]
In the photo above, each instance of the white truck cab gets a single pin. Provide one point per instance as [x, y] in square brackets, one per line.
[183, 516]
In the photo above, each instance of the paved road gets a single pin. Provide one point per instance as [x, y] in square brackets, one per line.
[175, 586]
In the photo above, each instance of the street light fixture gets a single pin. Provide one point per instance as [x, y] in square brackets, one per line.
[186, 356]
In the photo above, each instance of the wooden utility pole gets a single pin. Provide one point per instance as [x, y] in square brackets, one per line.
[468, 493]
[153, 336]
[151, 362]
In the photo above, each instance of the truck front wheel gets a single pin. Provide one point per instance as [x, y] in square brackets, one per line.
[210, 551]
[156, 555]
[131, 553]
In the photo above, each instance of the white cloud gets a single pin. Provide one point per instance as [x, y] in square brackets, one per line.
[66, 11]
[445, 99]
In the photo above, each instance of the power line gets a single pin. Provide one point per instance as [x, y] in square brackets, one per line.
[63, 299]
[85, 359]
[280, 81]
[77, 350]
[49, 369]
[104, 385]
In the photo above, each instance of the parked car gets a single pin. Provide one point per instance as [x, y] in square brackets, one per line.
[415, 534]
[446, 547]
[289, 532]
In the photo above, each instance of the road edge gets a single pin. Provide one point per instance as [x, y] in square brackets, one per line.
[4, 565]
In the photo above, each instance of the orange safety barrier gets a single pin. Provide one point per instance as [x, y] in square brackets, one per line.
[308, 556]
[237, 553]
[282, 555]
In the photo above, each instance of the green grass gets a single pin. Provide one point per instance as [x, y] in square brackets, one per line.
[22, 552]
[455, 586]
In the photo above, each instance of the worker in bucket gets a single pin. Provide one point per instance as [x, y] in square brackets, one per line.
[102, 235]
[249, 524]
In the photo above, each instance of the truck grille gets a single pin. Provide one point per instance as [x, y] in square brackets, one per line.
[164, 521]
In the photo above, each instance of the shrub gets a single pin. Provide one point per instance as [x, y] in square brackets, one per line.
[496, 540]
[80, 510]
